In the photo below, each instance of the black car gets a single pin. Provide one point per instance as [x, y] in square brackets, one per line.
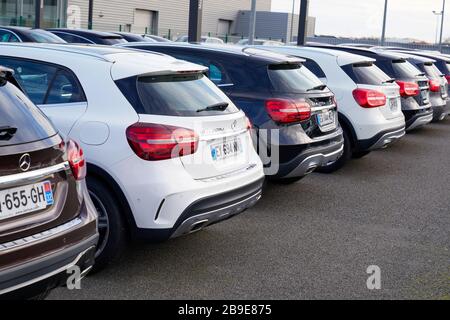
[133, 37]
[22, 34]
[414, 85]
[293, 112]
[48, 223]
[88, 36]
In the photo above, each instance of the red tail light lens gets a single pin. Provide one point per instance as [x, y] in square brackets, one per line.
[76, 159]
[154, 142]
[288, 111]
[435, 86]
[249, 123]
[369, 98]
[408, 89]
[448, 78]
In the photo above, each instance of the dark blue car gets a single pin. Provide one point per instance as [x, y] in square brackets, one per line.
[293, 112]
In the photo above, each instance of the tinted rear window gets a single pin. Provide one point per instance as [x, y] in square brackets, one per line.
[432, 71]
[174, 95]
[45, 37]
[366, 73]
[405, 69]
[113, 40]
[292, 78]
[20, 120]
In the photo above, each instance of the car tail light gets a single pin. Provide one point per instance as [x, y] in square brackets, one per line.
[369, 98]
[76, 159]
[435, 86]
[448, 78]
[249, 123]
[288, 111]
[408, 89]
[154, 142]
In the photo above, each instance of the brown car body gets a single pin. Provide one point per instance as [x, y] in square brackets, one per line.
[37, 248]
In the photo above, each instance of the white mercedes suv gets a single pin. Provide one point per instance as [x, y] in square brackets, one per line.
[168, 153]
[369, 101]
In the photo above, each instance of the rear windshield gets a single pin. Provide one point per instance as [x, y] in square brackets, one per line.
[20, 120]
[45, 37]
[292, 78]
[404, 69]
[432, 71]
[175, 95]
[366, 73]
[447, 66]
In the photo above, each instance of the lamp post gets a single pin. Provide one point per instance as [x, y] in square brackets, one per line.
[442, 25]
[383, 34]
[252, 26]
[292, 21]
[91, 14]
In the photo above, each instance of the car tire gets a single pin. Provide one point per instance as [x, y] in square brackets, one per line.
[360, 154]
[346, 156]
[112, 230]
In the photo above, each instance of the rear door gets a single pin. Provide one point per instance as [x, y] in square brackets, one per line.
[368, 76]
[54, 89]
[193, 102]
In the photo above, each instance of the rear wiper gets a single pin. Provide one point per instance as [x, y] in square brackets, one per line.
[319, 87]
[421, 75]
[6, 133]
[389, 81]
[221, 106]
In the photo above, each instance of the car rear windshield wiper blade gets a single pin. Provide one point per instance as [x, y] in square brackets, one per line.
[6, 133]
[221, 106]
[319, 87]
[421, 75]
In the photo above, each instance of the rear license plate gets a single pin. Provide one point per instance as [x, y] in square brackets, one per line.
[226, 149]
[326, 120]
[26, 199]
[444, 93]
[393, 105]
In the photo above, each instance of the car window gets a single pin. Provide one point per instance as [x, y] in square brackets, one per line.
[432, 71]
[292, 78]
[70, 38]
[366, 73]
[314, 68]
[405, 69]
[64, 89]
[45, 83]
[43, 36]
[174, 95]
[13, 38]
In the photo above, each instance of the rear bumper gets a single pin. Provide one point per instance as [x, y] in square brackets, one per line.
[31, 279]
[312, 157]
[381, 140]
[46, 256]
[207, 211]
[419, 119]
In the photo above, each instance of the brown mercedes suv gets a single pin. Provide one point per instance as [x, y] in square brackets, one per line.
[48, 223]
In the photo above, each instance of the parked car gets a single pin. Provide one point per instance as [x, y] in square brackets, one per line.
[47, 220]
[417, 105]
[438, 85]
[369, 101]
[279, 95]
[88, 36]
[167, 152]
[203, 39]
[22, 34]
[260, 42]
[133, 37]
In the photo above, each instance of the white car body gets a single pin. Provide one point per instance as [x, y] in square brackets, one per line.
[157, 192]
[378, 126]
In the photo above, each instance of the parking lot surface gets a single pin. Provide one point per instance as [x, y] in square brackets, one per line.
[313, 239]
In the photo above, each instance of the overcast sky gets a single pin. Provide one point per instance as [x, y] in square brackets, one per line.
[406, 18]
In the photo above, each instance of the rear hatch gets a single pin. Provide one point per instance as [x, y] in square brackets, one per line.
[406, 71]
[37, 190]
[294, 82]
[191, 101]
[434, 74]
[368, 76]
